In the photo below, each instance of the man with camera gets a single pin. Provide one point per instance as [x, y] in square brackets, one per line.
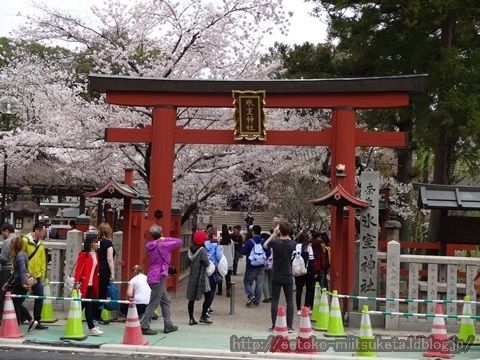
[159, 249]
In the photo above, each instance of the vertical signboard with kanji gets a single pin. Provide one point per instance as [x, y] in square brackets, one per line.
[367, 254]
[249, 115]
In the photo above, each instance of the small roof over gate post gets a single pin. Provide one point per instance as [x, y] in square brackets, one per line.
[338, 196]
[115, 189]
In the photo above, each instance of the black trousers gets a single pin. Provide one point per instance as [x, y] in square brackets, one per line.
[287, 286]
[103, 282]
[140, 309]
[308, 282]
[4, 275]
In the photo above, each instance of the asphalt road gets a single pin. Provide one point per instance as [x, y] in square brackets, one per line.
[71, 354]
[35, 354]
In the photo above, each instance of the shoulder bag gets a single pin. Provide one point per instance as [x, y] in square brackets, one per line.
[171, 269]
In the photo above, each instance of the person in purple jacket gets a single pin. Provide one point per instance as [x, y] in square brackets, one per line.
[159, 252]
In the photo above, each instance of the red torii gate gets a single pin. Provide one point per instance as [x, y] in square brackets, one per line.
[343, 96]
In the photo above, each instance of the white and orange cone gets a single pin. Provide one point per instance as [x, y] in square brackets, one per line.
[305, 338]
[439, 347]
[9, 328]
[280, 342]
[133, 332]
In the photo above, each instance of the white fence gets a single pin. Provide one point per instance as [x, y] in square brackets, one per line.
[442, 281]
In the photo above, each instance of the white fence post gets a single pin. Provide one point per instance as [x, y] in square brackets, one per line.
[393, 273]
[74, 246]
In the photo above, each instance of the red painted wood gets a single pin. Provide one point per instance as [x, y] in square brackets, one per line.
[129, 135]
[343, 152]
[282, 101]
[161, 165]
[274, 137]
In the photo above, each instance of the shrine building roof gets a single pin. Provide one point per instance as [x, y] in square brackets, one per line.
[449, 197]
[116, 189]
[412, 84]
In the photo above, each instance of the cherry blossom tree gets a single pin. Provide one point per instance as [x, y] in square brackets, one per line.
[63, 125]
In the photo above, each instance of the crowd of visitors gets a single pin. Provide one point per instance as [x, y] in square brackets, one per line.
[275, 260]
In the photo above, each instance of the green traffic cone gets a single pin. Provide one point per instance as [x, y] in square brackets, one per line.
[335, 323]
[74, 328]
[365, 338]
[323, 312]
[466, 332]
[316, 302]
[47, 315]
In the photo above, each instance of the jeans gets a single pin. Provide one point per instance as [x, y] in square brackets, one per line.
[322, 279]
[20, 310]
[37, 290]
[288, 290]
[209, 296]
[228, 285]
[267, 284]
[252, 274]
[236, 257]
[158, 296]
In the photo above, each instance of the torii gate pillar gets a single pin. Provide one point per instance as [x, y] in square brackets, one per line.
[343, 237]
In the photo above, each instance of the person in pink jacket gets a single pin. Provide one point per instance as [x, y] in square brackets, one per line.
[158, 250]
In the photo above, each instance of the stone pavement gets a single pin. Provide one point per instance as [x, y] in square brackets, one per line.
[201, 340]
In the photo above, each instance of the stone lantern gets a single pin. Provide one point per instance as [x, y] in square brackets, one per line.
[24, 210]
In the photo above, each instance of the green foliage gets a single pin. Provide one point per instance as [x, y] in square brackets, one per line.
[438, 37]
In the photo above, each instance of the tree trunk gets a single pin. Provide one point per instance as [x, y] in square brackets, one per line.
[442, 147]
[404, 175]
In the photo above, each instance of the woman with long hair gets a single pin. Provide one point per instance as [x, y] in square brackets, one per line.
[304, 249]
[106, 254]
[18, 282]
[229, 252]
[86, 280]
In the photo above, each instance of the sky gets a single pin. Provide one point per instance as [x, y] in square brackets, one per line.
[303, 26]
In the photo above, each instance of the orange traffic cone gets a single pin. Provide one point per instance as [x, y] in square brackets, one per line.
[280, 342]
[133, 331]
[305, 339]
[9, 328]
[439, 347]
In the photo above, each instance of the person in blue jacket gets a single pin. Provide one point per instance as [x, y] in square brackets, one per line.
[215, 253]
[254, 271]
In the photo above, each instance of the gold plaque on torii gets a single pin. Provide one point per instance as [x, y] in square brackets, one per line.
[249, 115]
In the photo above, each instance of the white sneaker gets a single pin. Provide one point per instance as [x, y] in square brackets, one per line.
[95, 332]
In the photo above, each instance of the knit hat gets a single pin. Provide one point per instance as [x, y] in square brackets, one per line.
[199, 237]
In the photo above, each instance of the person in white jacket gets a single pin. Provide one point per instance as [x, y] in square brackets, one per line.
[229, 252]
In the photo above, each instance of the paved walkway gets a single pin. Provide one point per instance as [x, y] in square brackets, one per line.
[205, 340]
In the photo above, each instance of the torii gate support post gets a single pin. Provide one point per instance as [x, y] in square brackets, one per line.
[343, 237]
[161, 175]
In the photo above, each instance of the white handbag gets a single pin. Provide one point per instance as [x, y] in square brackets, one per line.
[223, 266]
[210, 269]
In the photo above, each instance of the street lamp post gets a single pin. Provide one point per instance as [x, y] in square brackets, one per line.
[9, 106]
